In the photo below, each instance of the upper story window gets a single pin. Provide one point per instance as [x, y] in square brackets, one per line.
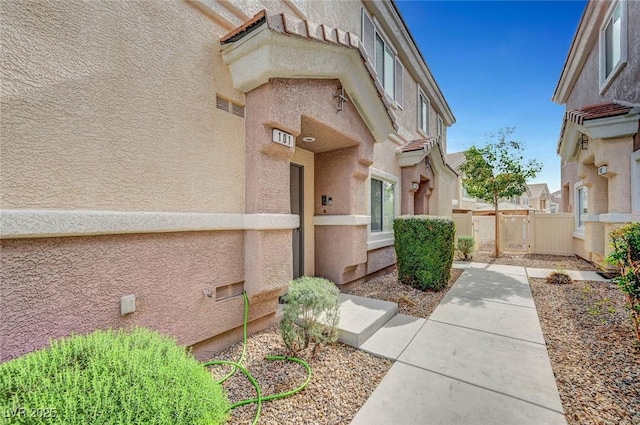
[613, 43]
[423, 113]
[382, 57]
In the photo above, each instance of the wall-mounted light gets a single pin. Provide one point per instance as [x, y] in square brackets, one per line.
[415, 186]
[584, 142]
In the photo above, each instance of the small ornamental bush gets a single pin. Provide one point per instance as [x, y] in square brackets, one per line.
[424, 248]
[559, 278]
[110, 377]
[311, 314]
[625, 255]
[465, 246]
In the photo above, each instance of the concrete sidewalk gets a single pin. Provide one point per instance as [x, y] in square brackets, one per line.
[480, 358]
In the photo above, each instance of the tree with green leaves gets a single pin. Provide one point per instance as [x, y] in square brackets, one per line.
[498, 170]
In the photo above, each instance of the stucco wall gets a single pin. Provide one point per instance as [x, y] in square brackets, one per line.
[54, 286]
[625, 87]
[111, 105]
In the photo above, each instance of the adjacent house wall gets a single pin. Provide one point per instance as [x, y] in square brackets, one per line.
[586, 90]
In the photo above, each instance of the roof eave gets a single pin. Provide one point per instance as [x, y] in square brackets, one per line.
[585, 37]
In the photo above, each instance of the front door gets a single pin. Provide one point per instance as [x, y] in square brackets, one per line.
[296, 188]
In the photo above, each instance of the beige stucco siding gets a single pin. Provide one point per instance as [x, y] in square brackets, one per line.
[112, 106]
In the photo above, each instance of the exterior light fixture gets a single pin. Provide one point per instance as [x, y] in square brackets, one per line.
[308, 139]
[584, 142]
[415, 186]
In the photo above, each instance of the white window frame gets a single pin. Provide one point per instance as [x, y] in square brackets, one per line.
[380, 239]
[423, 129]
[578, 220]
[605, 80]
[396, 97]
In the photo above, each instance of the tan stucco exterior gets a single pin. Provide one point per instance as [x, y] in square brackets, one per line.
[138, 159]
[107, 103]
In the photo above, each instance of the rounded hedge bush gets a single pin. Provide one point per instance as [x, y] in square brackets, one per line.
[424, 250]
[111, 377]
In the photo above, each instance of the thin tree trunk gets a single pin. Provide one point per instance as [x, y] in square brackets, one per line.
[497, 226]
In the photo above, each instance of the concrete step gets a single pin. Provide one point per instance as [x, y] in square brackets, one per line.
[361, 317]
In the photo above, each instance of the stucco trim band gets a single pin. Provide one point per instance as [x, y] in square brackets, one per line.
[372, 245]
[341, 220]
[59, 223]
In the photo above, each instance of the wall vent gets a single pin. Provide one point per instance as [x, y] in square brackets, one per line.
[229, 291]
[237, 109]
[229, 106]
[222, 103]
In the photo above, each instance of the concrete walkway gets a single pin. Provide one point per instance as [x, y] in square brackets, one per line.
[480, 358]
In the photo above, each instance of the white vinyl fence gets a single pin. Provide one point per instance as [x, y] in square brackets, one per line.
[537, 233]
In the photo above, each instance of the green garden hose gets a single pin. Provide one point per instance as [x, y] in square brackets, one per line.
[238, 366]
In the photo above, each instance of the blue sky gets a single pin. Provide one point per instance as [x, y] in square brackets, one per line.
[497, 64]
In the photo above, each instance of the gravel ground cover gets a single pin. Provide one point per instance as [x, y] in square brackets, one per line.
[343, 378]
[592, 349]
[411, 301]
[540, 261]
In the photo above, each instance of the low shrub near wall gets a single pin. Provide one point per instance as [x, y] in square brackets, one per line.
[111, 377]
[424, 247]
[311, 314]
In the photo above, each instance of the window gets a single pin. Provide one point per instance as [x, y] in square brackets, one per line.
[388, 68]
[613, 43]
[440, 130]
[582, 200]
[423, 113]
[382, 206]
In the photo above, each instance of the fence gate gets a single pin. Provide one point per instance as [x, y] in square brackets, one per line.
[484, 233]
[514, 233]
[535, 233]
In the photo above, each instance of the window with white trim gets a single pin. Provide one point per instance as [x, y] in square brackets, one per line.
[613, 43]
[381, 55]
[382, 205]
[582, 198]
[423, 113]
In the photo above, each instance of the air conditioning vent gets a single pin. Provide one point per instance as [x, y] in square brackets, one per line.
[222, 103]
[229, 291]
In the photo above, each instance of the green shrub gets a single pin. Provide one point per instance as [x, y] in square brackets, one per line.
[311, 314]
[559, 278]
[465, 246]
[625, 255]
[424, 248]
[111, 377]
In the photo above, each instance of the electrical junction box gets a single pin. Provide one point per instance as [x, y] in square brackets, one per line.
[127, 304]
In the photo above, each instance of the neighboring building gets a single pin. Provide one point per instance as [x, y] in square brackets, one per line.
[599, 141]
[540, 197]
[182, 152]
[556, 201]
[461, 202]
